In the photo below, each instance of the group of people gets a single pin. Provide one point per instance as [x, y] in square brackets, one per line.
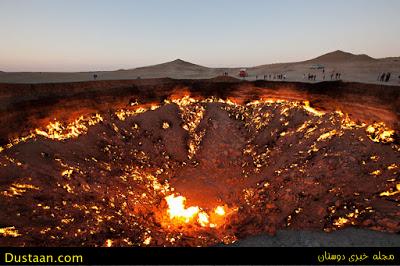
[313, 77]
[336, 75]
[384, 77]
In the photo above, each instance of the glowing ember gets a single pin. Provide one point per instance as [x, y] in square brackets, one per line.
[341, 221]
[378, 132]
[391, 193]
[392, 167]
[108, 243]
[18, 189]
[327, 135]
[376, 172]
[147, 241]
[60, 131]
[9, 232]
[165, 125]
[220, 210]
[203, 219]
[312, 110]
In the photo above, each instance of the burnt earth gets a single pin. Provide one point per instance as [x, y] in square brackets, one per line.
[271, 164]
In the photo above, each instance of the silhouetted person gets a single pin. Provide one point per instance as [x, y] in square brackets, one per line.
[332, 76]
[95, 76]
[387, 77]
[383, 76]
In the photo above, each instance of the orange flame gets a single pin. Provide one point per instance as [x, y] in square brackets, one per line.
[177, 209]
[179, 213]
[220, 210]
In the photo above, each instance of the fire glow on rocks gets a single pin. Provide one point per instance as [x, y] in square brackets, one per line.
[197, 172]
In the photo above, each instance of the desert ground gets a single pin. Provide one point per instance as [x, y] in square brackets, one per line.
[349, 237]
[353, 68]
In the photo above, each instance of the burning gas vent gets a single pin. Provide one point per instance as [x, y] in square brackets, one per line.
[192, 172]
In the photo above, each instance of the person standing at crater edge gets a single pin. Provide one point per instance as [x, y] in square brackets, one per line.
[387, 77]
[383, 76]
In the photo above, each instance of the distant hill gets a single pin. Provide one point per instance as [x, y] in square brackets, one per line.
[173, 69]
[177, 64]
[341, 57]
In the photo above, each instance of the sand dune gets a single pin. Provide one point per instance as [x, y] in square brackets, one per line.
[358, 68]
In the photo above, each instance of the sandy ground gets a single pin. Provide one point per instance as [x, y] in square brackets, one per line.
[357, 68]
[350, 237]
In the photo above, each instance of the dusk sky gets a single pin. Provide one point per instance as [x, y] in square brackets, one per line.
[76, 35]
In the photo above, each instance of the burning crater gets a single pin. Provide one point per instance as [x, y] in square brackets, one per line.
[197, 172]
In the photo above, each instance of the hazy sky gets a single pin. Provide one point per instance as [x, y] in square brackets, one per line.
[72, 35]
